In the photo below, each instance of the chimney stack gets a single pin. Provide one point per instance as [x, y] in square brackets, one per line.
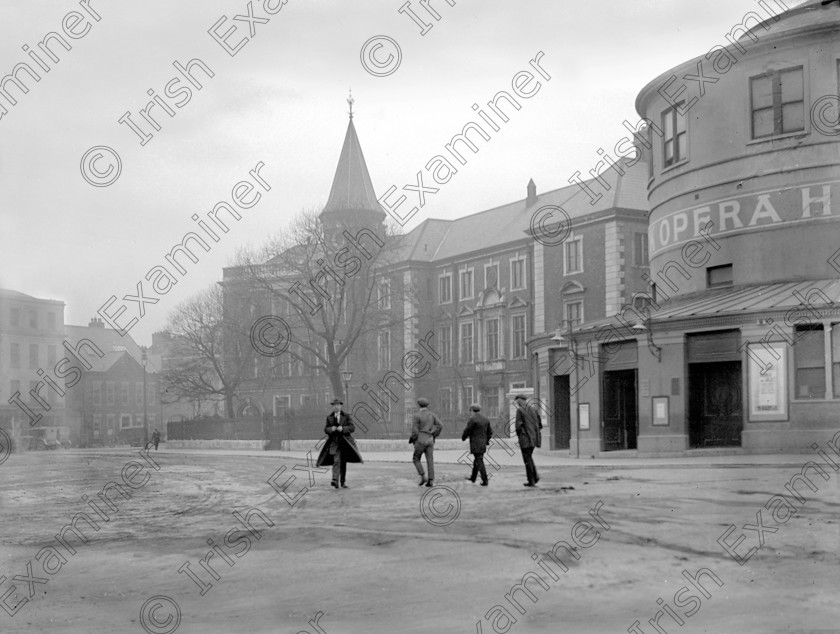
[95, 322]
[532, 193]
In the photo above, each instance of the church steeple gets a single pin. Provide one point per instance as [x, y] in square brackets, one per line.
[352, 197]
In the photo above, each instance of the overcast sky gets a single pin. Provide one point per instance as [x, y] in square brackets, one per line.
[282, 100]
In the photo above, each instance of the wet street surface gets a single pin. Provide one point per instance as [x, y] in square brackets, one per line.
[265, 544]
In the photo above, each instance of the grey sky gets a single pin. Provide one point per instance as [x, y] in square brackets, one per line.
[281, 100]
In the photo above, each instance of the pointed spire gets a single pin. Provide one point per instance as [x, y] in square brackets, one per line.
[350, 102]
[352, 190]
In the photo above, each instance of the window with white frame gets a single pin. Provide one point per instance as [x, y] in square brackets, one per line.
[445, 343]
[97, 392]
[490, 402]
[124, 393]
[675, 139]
[573, 256]
[466, 284]
[445, 289]
[467, 355]
[109, 393]
[517, 328]
[446, 401]
[777, 102]
[282, 404]
[384, 349]
[491, 275]
[574, 313]
[125, 421]
[384, 291]
[491, 340]
[640, 249]
[466, 397]
[517, 273]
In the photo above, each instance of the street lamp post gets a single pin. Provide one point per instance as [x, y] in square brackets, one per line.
[346, 375]
[144, 359]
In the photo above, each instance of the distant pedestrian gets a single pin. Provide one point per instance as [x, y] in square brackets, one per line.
[479, 432]
[156, 438]
[340, 447]
[528, 426]
[424, 429]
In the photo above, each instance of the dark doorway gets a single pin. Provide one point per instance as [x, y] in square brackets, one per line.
[714, 404]
[562, 424]
[620, 420]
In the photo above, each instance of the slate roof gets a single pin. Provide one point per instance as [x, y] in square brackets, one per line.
[352, 188]
[435, 239]
[111, 343]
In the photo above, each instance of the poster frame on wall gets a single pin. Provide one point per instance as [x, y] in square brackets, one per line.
[768, 390]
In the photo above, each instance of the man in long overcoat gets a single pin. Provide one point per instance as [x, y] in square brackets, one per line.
[425, 428]
[479, 431]
[340, 447]
[528, 425]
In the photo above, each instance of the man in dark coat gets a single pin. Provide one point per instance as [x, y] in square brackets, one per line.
[156, 438]
[479, 431]
[425, 428]
[528, 425]
[340, 447]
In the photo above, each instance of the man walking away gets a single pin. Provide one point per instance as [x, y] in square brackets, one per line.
[479, 431]
[156, 438]
[340, 447]
[425, 428]
[528, 425]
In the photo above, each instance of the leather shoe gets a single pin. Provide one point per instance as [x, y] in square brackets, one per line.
[344, 486]
[422, 482]
[334, 483]
[430, 483]
[485, 483]
[470, 479]
[529, 484]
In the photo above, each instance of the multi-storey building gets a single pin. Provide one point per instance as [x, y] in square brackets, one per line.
[474, 302]
[107, 406]
[31, 336]
[738, 343]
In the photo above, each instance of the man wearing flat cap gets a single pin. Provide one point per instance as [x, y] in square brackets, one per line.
[425, 428]
[340, 447]
[528, 425]
[479, 431]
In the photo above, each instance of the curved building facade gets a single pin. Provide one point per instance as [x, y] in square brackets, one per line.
[737, 342]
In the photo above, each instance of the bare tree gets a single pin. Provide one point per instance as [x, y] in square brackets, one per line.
[328, 284]
[212, 353]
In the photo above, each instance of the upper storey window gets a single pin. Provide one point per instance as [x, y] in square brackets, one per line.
[675, 142]
[777, 103]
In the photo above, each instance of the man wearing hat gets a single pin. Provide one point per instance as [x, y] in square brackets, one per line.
[424, 429]
[340, 447]
[528, 425]
[479, 432]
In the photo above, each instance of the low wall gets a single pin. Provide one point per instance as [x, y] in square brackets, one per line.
[252, 445]
[310, 445]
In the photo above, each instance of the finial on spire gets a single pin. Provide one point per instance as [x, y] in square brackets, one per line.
[351, 101]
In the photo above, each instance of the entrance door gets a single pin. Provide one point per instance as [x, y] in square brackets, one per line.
[562, 422]
[620, 421]
[714, 404]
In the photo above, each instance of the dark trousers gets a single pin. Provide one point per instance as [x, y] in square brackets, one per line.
[429, 451]
[530, 467]
[339, 467]
[478, 467]
[156, 444]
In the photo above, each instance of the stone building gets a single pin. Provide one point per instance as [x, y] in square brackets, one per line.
[31, 356]
[737, 343]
